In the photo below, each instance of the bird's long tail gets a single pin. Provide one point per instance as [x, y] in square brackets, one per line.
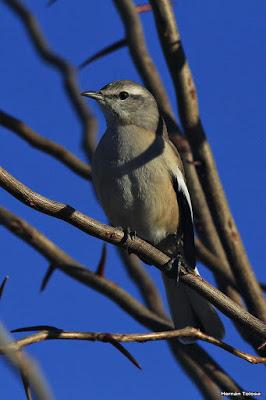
[188, 308]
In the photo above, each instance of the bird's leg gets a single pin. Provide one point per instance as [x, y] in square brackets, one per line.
[173, 266]
[128, 234]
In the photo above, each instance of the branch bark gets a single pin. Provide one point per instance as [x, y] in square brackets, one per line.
[47, 146]
[136, 245]
[188, 332]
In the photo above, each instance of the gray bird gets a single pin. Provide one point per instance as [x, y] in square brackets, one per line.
[139, 180]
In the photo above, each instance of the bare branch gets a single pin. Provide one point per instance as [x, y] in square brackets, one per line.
[45, 145]
[136, 245]
[67, 71]
[189, 115]
[188, 332]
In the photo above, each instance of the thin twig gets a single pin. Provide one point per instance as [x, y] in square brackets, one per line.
[136, 245]
[188, 332]
[48, 146]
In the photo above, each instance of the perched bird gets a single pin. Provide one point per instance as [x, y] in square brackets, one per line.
[139, 180]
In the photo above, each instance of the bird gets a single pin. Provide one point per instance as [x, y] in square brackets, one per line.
[139, 180]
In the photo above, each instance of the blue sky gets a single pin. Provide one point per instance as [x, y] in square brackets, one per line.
[225, 44]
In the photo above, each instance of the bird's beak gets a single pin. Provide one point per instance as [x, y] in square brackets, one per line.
[94, 95]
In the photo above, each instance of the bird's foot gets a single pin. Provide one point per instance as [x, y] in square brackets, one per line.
[128, 234]
[173, 266]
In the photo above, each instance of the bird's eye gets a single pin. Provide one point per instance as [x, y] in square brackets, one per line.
[123, 95]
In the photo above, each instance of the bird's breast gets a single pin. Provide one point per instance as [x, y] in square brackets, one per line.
[134, 186]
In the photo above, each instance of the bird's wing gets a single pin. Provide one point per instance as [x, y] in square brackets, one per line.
[183, 198]
[186, 216]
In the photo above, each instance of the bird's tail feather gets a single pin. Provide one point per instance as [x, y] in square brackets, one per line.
[188, 308]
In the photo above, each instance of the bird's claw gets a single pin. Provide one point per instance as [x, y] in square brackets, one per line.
[173, 266]
[128, 234]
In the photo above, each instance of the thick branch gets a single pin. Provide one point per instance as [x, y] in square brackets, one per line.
[189, 115]
[45, 145]
[136, 245]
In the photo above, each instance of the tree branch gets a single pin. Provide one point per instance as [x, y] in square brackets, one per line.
[187, 332]
[136, 245]
[47, 146]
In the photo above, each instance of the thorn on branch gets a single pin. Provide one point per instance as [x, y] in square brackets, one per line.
[47, 277]
[101, 266]
[109, 339]
[37, 328]
[104, 52]
[3, 284]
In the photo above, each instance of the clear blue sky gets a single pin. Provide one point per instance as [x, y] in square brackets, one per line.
[225, 44]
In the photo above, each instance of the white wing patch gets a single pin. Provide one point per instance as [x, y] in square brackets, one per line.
[182, 187]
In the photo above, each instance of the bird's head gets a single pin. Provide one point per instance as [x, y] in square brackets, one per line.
[127, 103]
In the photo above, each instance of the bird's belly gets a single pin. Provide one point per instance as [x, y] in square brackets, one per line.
[142, 200]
